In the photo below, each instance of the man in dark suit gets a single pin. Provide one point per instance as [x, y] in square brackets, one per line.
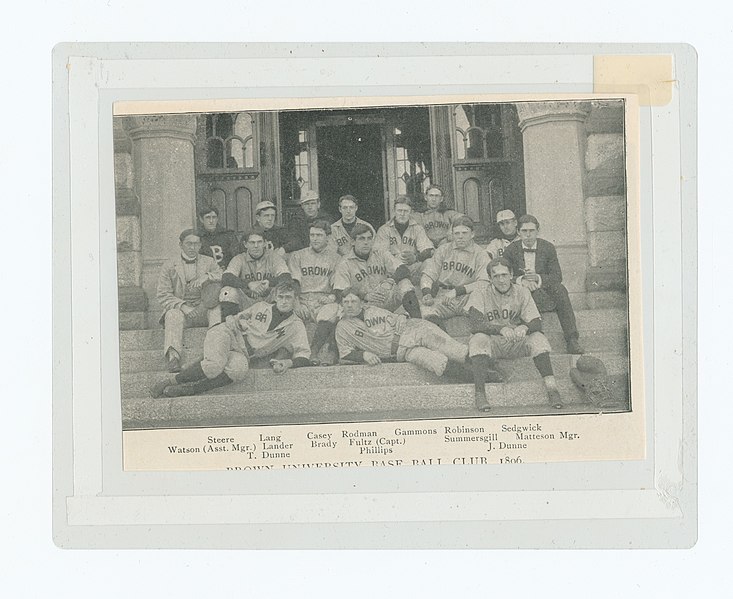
[536, 266]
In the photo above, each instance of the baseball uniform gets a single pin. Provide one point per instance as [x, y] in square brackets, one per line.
[362, 276]
[386, 334]
[414, 238]
[437, 223]
[342, 238]
[509, 309]
[496, 246]
[266, 268]
[451, 267]
[315, 272]
[262, 339]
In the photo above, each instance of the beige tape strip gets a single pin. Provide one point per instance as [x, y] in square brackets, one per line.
[650, 77]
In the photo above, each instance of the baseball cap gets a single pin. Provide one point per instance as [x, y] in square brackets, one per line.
[504, 215]
[308, 196]
[264, 205]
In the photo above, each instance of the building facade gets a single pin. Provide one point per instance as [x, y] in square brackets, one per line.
[562, 161]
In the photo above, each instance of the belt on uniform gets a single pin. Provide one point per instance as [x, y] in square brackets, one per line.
[395, 345]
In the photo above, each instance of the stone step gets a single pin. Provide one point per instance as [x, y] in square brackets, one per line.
[334, 405]
[137, 384]
[591, 324]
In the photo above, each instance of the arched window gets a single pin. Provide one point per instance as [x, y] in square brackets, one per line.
[478, 131]
[230, 141]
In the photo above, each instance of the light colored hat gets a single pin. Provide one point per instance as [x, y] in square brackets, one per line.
[505, 215]
[308, 196]
[264, 205]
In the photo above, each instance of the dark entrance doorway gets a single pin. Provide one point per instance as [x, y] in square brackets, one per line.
[350, 162]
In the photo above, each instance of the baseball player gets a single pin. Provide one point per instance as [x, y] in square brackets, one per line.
[454, 271]
[265, 217]
[251, 275]
[505, 323]
[221, 244]
[404, 238]
[375, 275]
[507, 223]
[342, 229]
[437, 220]
[182, 290]
[369, 334]
[313, 268]
[259, 331]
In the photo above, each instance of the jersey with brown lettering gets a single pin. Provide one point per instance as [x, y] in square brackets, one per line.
[454, 267]
[341, 236]
[512, 308]
[353, 272]
[289, 333]
[437, 224]
[268, 267]
[414, 238]
[373, 332]
[314, 270]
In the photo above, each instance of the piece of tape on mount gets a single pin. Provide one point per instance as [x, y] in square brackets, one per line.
[650, 77]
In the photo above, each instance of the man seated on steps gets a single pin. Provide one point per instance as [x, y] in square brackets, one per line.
[507, 224]
[375, 275]
[437, 220]
[261, 330]
[251, 275]
[369, 334]
[403, 237]
[342, 230]
[313, 268]
[454, 271]
[505, 323]
[181, 292]
[535, 264]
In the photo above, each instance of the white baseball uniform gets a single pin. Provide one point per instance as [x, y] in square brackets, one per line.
[509, 309]
[407, 339]
[315, 272]
[453, 267]
[341, 236]
[267, 267]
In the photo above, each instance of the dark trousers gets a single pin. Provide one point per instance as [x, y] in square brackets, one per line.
[554, 298]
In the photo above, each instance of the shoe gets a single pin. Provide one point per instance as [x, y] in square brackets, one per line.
[183, 390]
[555, 400]
[482, 403]
[328, 356]
[174, 364]
[158, 388]
[574, 347]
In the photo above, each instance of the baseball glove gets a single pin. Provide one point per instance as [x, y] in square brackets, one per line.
[600, 389]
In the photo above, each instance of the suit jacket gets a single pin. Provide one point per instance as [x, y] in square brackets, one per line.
[172, 280]
[546, 262]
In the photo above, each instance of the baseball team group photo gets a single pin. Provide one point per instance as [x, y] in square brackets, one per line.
[370, 264]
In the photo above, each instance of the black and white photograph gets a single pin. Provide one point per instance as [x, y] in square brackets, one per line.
[403, 263]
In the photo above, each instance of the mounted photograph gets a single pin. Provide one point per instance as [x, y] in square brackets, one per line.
[410, 280]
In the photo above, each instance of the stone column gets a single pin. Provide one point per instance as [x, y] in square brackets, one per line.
[554, 140]
[441, 134]
[132, 300]
[164, 182]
